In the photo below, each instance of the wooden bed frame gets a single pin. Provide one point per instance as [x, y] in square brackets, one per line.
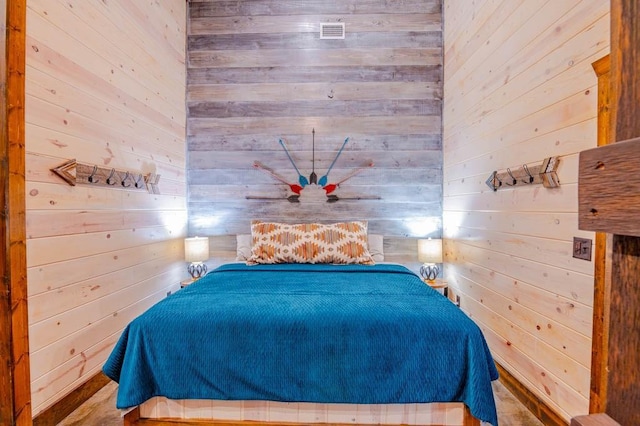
[161, 411]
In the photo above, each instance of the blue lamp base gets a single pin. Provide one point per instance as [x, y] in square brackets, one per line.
[429, 271]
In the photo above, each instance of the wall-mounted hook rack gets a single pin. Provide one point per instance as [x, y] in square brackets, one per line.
[544, 174]
[76, 173]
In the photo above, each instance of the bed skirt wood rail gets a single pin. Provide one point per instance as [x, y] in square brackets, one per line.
[458, 415]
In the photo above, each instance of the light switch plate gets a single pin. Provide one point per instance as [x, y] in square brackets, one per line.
[582, 248]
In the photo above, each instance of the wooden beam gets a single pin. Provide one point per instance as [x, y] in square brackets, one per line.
[625, 65]
[608, 188]
[15, 402]
[622, 394]
[623, 384]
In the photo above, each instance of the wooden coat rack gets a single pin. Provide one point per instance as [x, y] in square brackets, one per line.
[76, 173]
[544, 174]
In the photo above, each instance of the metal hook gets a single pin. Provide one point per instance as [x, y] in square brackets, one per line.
[494, 181]
[513, 179]
[124, 180]
[109, 180]
[499, 181]
[526, 170]
[138, 184]
[91, 178]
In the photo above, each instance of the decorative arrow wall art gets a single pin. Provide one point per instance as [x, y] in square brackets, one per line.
[76, 173]
[313, 181]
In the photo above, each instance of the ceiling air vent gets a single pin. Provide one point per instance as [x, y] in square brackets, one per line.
[331, 30]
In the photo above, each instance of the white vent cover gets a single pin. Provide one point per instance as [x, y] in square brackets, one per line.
[332, 30]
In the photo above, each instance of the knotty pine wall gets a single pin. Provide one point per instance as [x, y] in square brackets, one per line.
[257, 72]
[519, 87]
[105, 84]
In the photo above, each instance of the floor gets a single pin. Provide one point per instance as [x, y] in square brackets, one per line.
[100, 409]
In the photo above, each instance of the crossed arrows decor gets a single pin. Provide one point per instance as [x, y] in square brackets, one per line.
[322, 182]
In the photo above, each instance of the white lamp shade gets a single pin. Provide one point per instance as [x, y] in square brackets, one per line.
[196, 249]
[430, 251]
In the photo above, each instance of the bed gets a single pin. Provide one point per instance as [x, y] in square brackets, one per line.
[274, 340]
[309, 328]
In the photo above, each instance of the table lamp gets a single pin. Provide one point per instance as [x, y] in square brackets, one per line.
[196, 251]
[430, 253]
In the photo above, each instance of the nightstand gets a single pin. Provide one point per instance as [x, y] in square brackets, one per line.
[438, 284]
[186, 282]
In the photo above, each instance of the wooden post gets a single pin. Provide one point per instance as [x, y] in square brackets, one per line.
[623, 382]
[625, 64]
[15, 394]
[616, 379]
[6, 398]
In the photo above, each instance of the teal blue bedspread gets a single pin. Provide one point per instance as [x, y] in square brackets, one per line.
[307, 333]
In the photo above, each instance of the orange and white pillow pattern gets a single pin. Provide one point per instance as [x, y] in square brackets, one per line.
[341, 243]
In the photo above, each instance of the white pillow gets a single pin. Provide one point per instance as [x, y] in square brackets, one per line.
[376, 247]
[243, 247]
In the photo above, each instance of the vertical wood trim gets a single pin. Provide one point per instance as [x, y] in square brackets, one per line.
[6, 397]
[15, 408]
[602, 68]
[602, 276]
[623, 384]
[600, 335]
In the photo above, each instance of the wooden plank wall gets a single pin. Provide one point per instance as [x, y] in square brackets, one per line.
[105, 85]
[519, 87]
[257, 72]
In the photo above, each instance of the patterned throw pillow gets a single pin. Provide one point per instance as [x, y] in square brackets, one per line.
[341, 243]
